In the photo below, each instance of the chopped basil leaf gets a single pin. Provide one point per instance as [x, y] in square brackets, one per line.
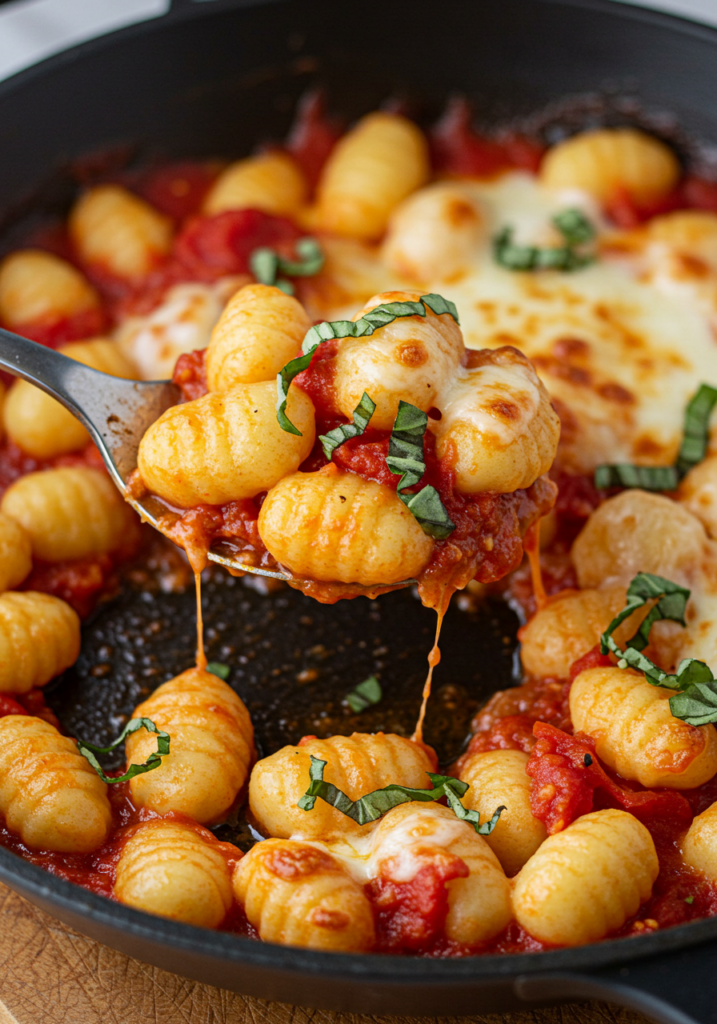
[405, 457]
[374, 805]
[362, 415]
[689, 899]
[696, 704]
[376, 318]
[695, 439]
[218, 669]
[154, 760]
[575, 228]
[364, 695]
[266, 264]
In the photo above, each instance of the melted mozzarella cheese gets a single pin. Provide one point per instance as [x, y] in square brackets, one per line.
[476, 395]
[182, 323]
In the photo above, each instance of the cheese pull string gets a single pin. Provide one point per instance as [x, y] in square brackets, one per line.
[531, 546]
[434, 658]
[201, 658]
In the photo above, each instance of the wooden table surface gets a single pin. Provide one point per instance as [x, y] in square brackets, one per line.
[50, 974]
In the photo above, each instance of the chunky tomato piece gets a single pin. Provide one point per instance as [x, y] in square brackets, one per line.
[190, 374]
[210, 247]
[177, 190]
[313, 135]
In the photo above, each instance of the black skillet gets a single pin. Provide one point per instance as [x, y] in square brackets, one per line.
[210, 79]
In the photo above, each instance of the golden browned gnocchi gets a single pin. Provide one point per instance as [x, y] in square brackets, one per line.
[691, 233]
[638, 532]
[374, 166]
[37, 286]
[497, 425]
[635, 732]
[49, 794]
[569, 626]
[40, 425]
[298, 895]
[112, 227]
[587, 880]
[412, 834]
[15, 553]
[212, 747]
[433, 235]
[175, 870]
[699, 845]
[413, 359]
[260, 330]
[272, 182]
[357, 764]
[698, 493]
[607, 160]
[498, 778]
[69, 512]
[332, 525]
[39, 638]
[224, 446]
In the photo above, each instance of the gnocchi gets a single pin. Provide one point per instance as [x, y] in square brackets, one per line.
[39, 639]
[36, 286]
[298, 895]
[224, 446]
[15, 553]
[212, 747]
[69, 512]
[357, 764]
[177, 871]
[635, 732]
[587, 880]
[699, 845]
[49, 794]
[331, 525]
[272, 182]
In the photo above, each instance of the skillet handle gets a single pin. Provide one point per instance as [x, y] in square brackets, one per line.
[679, 987]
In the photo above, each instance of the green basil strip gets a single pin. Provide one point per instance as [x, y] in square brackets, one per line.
[364, 695]
[374, 805]
[361, 417]
[372, 321]
[695, 433]
[647, 478]
[266, 264]
[575, 228]
[218, 669]
[154, 760]
[696, 704]
[695, 439]
[405, 458]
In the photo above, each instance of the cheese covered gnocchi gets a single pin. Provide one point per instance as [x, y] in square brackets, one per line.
[212, 747]
[49, 794]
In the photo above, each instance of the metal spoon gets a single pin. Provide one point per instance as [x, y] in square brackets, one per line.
[116, 412]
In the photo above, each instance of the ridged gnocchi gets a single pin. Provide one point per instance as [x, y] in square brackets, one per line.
[37, 286]
[698, 493]
[298, 895]
[260, 330]
[357, 764]
[175, 870]
[69, 512]
[587, 880]
[604, 161]
[38, 423]
[112, 227]
[332, 525]
[15, 553]
[39, 638]
[49, 794]
[699, 845]
[225, 445]
[638, 532]
[497, 424]
[413, 359]
[272, 182]
[635, 732]
[498, 778]
[434, 234]
[211, 749]
[569, 626]
[413, 834]
[371, 169]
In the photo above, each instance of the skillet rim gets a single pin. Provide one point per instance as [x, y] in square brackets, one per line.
[41, 887]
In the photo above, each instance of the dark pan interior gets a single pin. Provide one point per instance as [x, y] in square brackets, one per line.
[212, 79]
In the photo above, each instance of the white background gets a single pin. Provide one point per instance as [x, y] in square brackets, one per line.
[33, 29]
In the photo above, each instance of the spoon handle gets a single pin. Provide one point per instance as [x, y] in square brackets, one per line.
[115, 411]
